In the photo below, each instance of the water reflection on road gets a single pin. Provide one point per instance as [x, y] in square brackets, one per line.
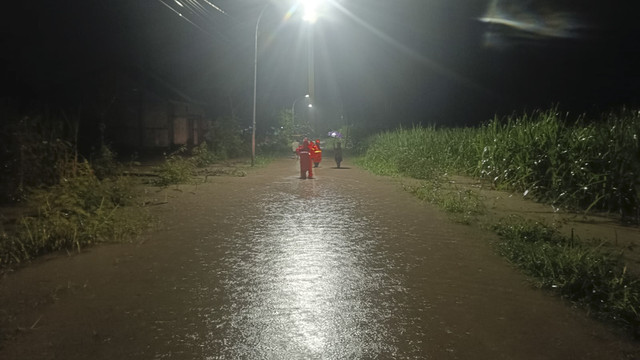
[347, 266]
[305, 276]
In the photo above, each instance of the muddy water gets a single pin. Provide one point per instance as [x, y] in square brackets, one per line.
[346, 266]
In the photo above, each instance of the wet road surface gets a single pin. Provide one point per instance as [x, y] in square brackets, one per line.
[345, 266]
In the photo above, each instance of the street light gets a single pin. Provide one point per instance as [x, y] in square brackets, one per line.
[310, 15]
[310, 10]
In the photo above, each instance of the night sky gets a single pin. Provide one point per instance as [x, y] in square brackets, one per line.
[377, 62]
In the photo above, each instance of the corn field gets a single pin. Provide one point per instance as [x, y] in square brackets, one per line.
[583, 164]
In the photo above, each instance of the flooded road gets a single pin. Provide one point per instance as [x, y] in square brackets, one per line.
[268, 266]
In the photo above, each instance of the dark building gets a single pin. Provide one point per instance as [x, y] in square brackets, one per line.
[135, 110]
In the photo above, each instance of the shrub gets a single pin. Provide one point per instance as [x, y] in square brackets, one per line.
[176, 169]
[202, 157]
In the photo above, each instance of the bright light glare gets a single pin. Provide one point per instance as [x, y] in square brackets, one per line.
[310, 105]
[310, 10]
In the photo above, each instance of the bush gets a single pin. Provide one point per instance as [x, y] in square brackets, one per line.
[202, 157]
[176, 169]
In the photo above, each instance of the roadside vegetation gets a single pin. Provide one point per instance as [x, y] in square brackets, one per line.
[583, 165]
[61, 200]
[580, 165]
[579, 271]
[184, 166]
[55, 199]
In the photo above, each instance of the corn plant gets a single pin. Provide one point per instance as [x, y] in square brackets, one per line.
[576, 164]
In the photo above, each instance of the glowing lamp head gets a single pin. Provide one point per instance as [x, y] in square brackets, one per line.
[310, 8]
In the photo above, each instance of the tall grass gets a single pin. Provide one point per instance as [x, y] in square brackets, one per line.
[577, 164]
[420, 152]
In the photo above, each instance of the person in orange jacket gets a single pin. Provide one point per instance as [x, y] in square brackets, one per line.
[312, 152]
[304, 154]
[317, 153]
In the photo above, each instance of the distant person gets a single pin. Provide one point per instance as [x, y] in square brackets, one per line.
[304, 154]
[337, 151]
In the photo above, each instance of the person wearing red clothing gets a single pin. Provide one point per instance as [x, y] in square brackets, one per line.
[317, 153]
[304, 152]
[312, 152]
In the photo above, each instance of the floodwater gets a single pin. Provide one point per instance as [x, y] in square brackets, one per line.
[345, 266]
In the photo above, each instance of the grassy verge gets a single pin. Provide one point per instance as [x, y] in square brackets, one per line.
[579, 271]
[462, 204]
[78, 212]
[578, 165]
[93, 203]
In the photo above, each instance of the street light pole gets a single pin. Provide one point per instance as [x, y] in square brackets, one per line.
[310, 16]
[255, 87]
